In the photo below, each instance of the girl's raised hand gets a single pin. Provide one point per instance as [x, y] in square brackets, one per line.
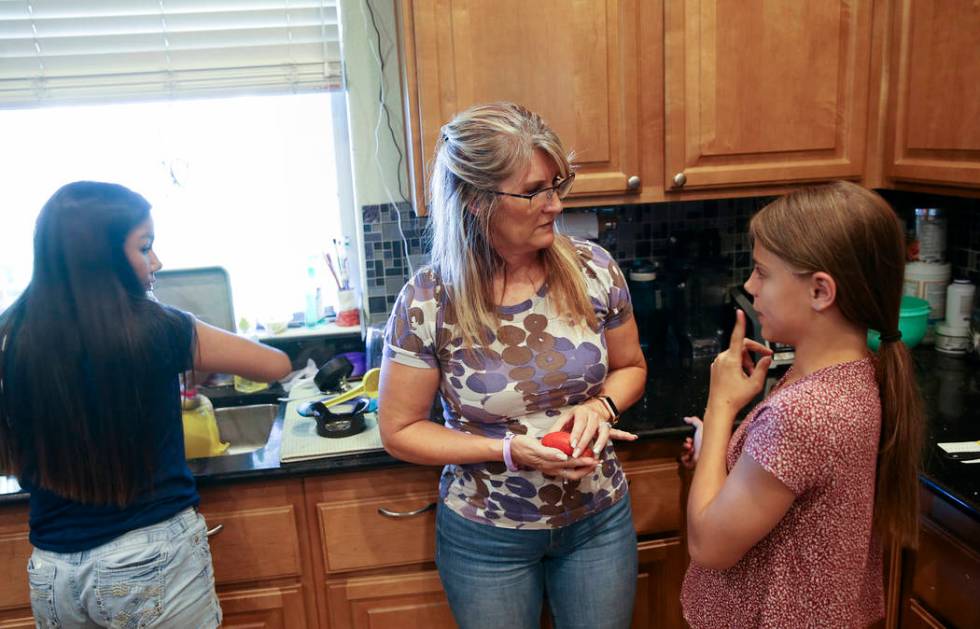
[692, 445]
[735, 378]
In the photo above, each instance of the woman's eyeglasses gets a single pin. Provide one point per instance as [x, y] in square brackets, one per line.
[544, 195]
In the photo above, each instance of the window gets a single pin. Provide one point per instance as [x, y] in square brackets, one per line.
[222, 114]
[247, 183]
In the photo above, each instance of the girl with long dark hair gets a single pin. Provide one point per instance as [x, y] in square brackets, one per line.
[90, 419]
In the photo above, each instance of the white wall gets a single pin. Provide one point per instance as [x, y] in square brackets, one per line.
[376, 177]
[374, 158]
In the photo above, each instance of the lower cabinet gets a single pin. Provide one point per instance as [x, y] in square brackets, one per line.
[658, 588]
[356, 549]
[392, 601]
[376, 536]
[942, 577]
[19, 622]
[271, 608]
[260, 549]
[916, 617]
[15, 550]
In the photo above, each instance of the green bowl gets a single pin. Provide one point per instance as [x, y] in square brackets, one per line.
[913, 319]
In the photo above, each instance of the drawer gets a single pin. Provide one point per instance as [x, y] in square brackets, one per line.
[254, 544]
[391, 531]
[655, 494]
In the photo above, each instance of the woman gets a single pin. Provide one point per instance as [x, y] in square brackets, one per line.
[523, 331]
[785, 517]
[90, 420]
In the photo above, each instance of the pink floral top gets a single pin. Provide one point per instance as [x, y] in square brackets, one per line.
[821, 566]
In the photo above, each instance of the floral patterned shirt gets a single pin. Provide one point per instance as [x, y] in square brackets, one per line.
[821, 566]
[535, 366]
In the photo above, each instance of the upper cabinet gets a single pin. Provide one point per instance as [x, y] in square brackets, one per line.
[936, 93]
[684, 99]
[765, 91]
[574, 62]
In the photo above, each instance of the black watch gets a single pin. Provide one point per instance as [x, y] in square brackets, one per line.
[611, 407]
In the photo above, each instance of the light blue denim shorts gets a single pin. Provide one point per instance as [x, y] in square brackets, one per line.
[157, 576]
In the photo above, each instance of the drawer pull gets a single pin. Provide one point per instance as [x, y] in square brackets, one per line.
[406, 514]
[215, 530]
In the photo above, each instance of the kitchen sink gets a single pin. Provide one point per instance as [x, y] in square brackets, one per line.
[246, 428]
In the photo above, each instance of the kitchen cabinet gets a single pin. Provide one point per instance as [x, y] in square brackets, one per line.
[942, 578]
[575, 63]
[765, 92]
[261, 555]
[373, 569]
[711, 98]
[15, 550]
[935, 93]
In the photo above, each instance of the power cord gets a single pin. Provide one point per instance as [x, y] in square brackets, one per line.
[385, 114]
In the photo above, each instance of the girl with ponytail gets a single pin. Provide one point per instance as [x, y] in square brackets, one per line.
[786, 516]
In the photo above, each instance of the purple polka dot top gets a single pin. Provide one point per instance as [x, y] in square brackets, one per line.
[532, 367]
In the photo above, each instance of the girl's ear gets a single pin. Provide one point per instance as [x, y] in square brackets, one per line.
[823, 291]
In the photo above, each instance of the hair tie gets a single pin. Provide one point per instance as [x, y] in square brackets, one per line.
[891, 338]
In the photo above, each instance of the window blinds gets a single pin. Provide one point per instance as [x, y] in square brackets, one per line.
[67, 51]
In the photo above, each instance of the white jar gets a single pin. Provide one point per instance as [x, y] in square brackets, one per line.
[929, 281]
[952, 340]
[959, 304]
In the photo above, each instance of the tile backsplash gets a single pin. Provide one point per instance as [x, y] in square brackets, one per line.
[643, 232]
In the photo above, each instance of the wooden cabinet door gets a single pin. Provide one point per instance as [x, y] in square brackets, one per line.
[936, 92]
[23, 621]
[765, 91]
[394, 601]
[916, 617]
[658, 592]
[15, 550]
[272, 608]
[945, 577]
[571, 61]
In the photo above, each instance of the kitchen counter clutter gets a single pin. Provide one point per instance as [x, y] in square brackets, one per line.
[349, 540]
[950, 387]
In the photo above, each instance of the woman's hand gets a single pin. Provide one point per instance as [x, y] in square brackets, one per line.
[528, 452]
[586, 421]
[735, 378]
[692, 445]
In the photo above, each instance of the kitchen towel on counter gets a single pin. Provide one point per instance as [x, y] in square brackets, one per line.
[963, 451]
[300, 442]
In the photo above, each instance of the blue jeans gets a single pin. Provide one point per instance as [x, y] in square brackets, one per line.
[156, 576]
[496, 577]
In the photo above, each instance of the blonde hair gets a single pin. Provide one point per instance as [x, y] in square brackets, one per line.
[476, 151]
[854, 235]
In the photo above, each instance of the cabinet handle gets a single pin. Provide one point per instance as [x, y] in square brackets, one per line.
[679, 180]
[633, 183]
[406, 514]
[215, 530]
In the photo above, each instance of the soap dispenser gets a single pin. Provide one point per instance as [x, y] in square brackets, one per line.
[201, 436]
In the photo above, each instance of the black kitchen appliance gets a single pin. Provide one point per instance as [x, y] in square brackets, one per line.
[782, 354]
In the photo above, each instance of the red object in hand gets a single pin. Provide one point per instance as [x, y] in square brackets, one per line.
[562, 441]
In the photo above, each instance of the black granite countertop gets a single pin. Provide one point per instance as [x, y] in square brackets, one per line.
[950, 388]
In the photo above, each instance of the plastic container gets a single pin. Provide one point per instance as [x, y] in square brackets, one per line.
[929, 282]
[952, 340]
[959, 304]
[930, 231]
[913, 320]
[314, 298]
[201, 436]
